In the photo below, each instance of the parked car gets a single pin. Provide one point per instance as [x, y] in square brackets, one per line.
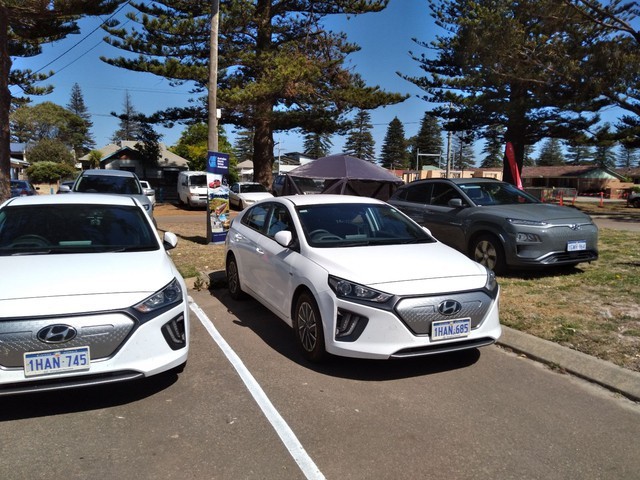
[243, 194]
[499, 225]
[355, 277]
[305, 185]
[22, 188]
[117, 309]
[193, 189]
[148, 191]
[118, 182]
[633, 199]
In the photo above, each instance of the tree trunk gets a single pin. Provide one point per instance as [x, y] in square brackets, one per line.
[5, 105]
[263, 151]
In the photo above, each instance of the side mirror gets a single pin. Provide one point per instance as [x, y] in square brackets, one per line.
[284, 238]
[455, 203]
[169, 240]
[64, 189]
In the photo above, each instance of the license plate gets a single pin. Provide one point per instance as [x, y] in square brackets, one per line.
[576, 246]
[445, 329]
[56, 361]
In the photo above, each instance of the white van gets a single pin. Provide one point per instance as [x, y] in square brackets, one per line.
[192, 188]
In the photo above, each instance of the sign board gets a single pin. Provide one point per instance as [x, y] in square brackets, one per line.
[218, 195]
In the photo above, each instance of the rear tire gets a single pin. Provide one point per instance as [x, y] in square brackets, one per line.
[308, 330]
[233, 279]
[487, 250]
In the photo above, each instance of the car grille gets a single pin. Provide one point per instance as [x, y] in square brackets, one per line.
[570, 257]
[103, 334]
[418, 313]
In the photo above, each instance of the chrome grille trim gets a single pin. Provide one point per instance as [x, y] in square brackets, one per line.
[103, 334]
[418, 313]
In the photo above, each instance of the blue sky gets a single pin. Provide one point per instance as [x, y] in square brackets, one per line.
[385, 39]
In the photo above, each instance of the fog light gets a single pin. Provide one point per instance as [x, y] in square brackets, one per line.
[174, 333]
[349, 325]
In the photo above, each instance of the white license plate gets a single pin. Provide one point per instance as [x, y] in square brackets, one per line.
[56, 361]
[576, 246]
[445, 329]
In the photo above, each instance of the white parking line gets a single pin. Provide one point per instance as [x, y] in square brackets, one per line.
[283, 430]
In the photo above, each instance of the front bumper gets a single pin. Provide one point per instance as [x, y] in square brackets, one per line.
[148, 350]
[386, 335]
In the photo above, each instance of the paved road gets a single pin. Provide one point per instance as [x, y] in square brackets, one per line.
[248, 407]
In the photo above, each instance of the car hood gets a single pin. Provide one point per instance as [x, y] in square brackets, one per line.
[80, 282]
[535, 211]
[403, 269]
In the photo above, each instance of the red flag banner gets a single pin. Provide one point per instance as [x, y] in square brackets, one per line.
[513, 166]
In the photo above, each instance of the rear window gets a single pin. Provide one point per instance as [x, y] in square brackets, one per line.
[108, 184]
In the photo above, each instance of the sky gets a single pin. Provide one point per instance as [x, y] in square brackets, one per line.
[385, 39]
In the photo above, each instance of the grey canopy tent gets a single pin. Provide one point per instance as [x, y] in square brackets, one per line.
[343, 175]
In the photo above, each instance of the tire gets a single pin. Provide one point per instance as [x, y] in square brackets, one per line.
[487, 250]
[233, 279]
[307, 328]
[636, 202]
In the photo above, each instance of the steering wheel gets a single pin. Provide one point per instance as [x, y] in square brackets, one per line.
[322, 234]
[30, 240]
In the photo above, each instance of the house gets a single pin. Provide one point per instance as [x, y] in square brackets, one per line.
[583, 180]
[124, 156]
[18, 159]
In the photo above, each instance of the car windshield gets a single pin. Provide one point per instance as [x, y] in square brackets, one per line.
[357, 224]
[198, 180]
[108, 184]
[496, 193]
[252, 188]
[52, 229]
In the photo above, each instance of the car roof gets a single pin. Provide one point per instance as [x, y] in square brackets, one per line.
[84, 199]
[457, 181]
[108, 173]
[325, 199]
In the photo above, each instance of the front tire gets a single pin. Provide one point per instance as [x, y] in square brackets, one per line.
[307, 327]
[233, 279]
[487, 250]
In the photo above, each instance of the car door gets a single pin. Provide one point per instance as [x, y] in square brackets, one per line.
[444, 220]
[273, 271]
[248, 238]
[414, 201]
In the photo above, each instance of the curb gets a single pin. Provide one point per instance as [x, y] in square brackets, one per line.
[606, 374]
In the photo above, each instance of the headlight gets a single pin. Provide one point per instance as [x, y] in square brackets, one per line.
[492, 283]
[527, 238]
[172, 293]
[531, 223]
[353, 291]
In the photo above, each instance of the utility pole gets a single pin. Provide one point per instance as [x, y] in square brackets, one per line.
[212, 138]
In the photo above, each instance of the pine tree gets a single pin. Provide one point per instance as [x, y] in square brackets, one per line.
[394, 149]
[83, 141]
[279, 67]
[628, 157]
[515, 64]
[131, 124]
[243, 146]
[578, 153]
[462, 155]
[494, 146]
[317, 145]
[428, 141]
[360, 141]
[24, 27]
[551, 153]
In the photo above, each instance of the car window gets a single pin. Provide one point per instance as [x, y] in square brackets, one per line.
[442, 193]
[255, 217]
[279, 220]
[235, 188]
[74, 229]
[108, 184]
[345, 225]
[198, 180]
[496, 193]
[252, 188]
[419, 193]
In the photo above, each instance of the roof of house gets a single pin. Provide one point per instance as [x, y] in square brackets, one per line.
[167, 158]
[570, 171]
